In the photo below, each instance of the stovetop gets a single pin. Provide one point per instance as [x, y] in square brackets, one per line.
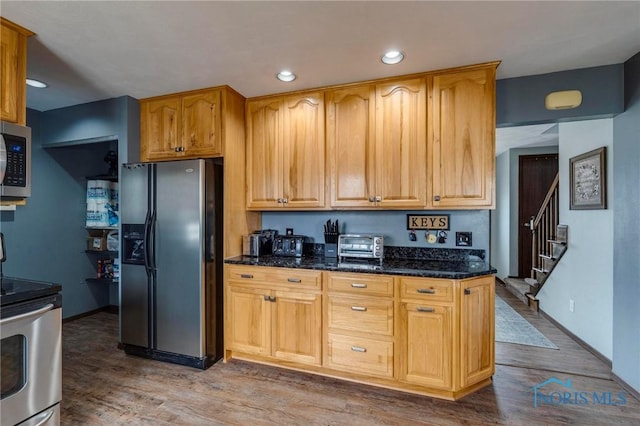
[14, 290]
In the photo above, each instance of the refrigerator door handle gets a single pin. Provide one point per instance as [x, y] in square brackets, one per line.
[151, 246]
[147, 225]
[212, 247]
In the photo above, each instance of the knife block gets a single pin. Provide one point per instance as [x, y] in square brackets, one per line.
[331, 245]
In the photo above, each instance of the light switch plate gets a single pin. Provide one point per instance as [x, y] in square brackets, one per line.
[463, 239]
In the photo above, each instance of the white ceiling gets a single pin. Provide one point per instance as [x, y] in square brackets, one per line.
[526, 137]
[92, 50]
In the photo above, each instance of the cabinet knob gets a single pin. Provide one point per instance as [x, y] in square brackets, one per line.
[436, 198]
[177, 149]
[372, 199]
[359, 308]
[378, 198]
[294, 280]
[422, 309]
[285, 200]
[358, 285]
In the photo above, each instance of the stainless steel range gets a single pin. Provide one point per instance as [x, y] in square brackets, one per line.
[31, 356]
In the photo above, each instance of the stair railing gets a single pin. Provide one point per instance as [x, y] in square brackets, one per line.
[543, 228]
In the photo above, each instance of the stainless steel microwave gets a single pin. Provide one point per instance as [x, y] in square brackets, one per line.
[15, 160]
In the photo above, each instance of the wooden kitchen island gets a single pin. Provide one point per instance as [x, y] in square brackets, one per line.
[420, 327]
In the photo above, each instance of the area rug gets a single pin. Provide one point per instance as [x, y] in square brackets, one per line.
[512, 328]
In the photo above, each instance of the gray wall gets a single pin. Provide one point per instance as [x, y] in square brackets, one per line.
[46, 238]
[626, 231]
[391, 224]
[585, 273]
[500, 218]
[520, 100]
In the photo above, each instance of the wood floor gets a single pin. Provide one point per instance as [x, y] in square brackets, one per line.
[103, 386]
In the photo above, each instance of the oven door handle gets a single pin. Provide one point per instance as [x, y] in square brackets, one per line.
[41, 418]
[27, 315]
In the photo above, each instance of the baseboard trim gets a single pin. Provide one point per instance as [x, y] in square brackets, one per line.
[502, 283]
[112, 309]
[626, 386]
[578, 340]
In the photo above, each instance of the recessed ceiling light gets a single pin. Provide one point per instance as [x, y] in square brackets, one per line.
[392, 57]
[36, 83]
[286, 76]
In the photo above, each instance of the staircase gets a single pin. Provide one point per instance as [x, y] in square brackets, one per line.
[549, 243]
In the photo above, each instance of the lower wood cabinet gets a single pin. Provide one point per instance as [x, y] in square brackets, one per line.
[422, 335]
[362, 355]
[427, 344]
[477, 330]
[271, 320]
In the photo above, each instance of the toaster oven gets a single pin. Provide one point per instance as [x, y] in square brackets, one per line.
[362, 246]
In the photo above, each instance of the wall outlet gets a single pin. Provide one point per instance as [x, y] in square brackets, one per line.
[572, 305]
[463, 239]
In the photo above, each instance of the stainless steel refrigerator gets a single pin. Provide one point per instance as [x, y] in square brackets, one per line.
[171, 261]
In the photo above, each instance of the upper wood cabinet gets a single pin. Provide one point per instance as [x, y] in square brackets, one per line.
[462, 139]
[351, 146]
[187, 125]
[401, 143]
[13, 72]
[285, 152]
[376, 143]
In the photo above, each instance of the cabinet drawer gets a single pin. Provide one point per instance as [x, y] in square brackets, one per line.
[369, 315]
[295, 278]
[373, 285]
[360, 355]
[435, 290]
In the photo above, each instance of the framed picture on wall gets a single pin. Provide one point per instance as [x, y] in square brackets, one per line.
[588, 180]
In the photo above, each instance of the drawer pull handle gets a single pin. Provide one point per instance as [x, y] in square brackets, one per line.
[294, 280]
[359, 308]
[246, 276]
[358, 285]
[358, 349]
[426, 291]
[421, 309]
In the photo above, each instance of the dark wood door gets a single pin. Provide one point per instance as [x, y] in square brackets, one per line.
[536, 175]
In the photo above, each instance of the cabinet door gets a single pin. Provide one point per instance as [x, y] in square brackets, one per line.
[427, 344]
[297, 327]
[159, 132]
[12, 75]
[350, 146]
[303, 153]
[264, 153]
[248, 325]
[401, 143]
[462, 143]
[201, 125]
[477, 333]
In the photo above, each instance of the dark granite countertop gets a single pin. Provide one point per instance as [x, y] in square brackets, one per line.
[460, 268]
